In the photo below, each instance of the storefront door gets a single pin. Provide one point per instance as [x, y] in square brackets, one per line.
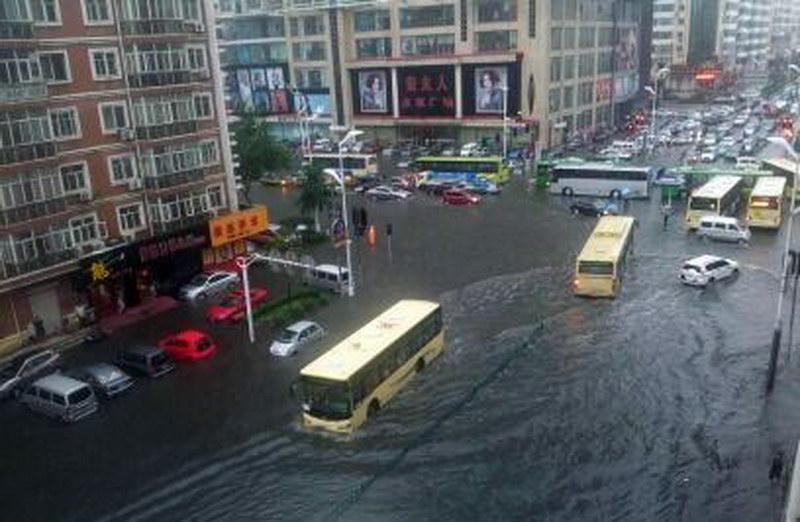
[44, 303]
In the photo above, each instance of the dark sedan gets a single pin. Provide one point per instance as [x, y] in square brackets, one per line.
[106, 379]
[585, 207]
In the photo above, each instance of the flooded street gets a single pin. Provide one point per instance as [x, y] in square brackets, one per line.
[543, 407]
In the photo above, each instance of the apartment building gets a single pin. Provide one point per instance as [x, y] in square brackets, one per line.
[113, 153]
[433, 70]
[785, 30]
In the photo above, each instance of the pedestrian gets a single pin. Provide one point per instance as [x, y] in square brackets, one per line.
[666, 219]
[776, 468]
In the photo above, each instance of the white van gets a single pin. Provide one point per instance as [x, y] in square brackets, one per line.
[60, 397]
[332, 277]
[723, 228]
[469, 150]
[747, 163]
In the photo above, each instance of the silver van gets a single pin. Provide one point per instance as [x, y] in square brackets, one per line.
[332, 277]
[60, 397]
[723, 228]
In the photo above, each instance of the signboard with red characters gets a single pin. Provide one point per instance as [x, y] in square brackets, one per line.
[427, 91]
[238, 225]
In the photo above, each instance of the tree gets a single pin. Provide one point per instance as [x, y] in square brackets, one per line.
[257, 151]
[314, 193]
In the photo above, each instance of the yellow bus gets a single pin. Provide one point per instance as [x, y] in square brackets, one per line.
[719, 196]
[357, 377]
[356, 166]
[765, 208]
[598, 269]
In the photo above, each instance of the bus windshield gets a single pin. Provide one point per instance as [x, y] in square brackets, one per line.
[326, 399]
[596, 267]
[703, 204]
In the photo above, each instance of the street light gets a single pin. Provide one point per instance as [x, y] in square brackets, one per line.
[776, 334]
[661, 73]
[505, 122]
[339, 177]
[243, 263]
[796, 69]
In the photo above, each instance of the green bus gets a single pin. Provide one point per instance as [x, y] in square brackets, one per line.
[492, 168]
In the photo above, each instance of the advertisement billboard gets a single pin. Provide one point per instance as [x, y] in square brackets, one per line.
[489, 84]
[626, 62]
[482, 88]
[313, 103]
[258, 89]
[427, 91]
[372, 90]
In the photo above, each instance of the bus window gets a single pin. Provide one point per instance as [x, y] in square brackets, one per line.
[704, 204]
[596, 268]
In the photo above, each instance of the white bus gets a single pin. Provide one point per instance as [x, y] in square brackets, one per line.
[601, 179]
[765, 208]
[355, 165]
[719, 196]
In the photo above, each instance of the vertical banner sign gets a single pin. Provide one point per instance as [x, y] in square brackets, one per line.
[372, 89]
[427, 91]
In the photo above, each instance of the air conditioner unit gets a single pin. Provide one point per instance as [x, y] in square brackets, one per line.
[85, 196]
[126, 134]
[135, 184]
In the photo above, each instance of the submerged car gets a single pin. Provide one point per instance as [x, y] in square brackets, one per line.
[233, 307]
[702, 270]
[189, 345]
[24, 369]
[146, 360]
[385, 192]
[588, 207]
[204, 284]
[291, 338]
[460, 197]
[107, 380]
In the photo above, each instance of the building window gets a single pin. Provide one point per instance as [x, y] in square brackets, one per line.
[497, 10]
[555, 100]
[307, 26]
[309, 51]
[203, 107]
[568, 40]
[428, 45]
[373, 47]
[604, 61]
[586, 65]
[197, 58]
[555, 69]
[587, 36]
[532, 18]
[84, 229]
[604, 36]
[96, 12]
[121, 168]
[208, 152]
[497, 41]
[65, 123]
[374, 20]
[569, 97]
[254, 54]
[105, 64]
[555, 38]
[73, 177]
[307, 78]
[568, 70]
[557, 10]
[19, 67]
[585, 93]
[570, 10]
[130, 218]
[253, 28]
[46, 12]
[427, 16]
[55, 66]
[215, 196]
[113, 116]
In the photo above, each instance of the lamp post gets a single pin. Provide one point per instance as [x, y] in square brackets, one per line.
[243, 263]
[796, 69]
[339, 177]
[661, 73]
[777, 331]
[505, 122]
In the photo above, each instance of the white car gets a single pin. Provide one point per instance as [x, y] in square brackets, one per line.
[706, 269]
[468, 150]
[386, 192]
[206, 283]
[708, 156]
[291, 338]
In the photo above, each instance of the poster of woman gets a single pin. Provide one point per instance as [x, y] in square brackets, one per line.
[275, 77]
[489, 83]
[245, 91]
[372, 91]
[259, 86]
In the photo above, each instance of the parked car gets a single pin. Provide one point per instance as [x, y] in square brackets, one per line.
[460, 197]
[323, 145]
[24, 369]
[291, 338]
[207, 283]
[702, 270]
[723, 228]
[60, 397]
[589, 207]
[107, 380]
[469, 149]
[708, 156]
[669, 179]
[146, 360]
[189, 345]
[384, 192]
[233, 307]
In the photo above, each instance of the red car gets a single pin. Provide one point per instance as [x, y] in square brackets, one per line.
[460, 197]
[188, 344]
[233, 308]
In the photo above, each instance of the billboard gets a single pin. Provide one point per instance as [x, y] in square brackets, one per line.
[427, 91]
[482, 87]
[626, 63]
[258, 89]
[313, 103]
[489, 84]
[372, 92]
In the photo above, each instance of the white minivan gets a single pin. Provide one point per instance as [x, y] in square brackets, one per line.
[60, 397]
[723, 228]
[332, 277]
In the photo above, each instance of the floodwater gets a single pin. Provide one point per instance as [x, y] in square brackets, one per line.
[543, 407]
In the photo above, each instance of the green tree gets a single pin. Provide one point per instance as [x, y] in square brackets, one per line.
[257, 151]
[314, 193]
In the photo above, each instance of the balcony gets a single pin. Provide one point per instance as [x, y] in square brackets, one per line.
[22, 92]
[16, 29]
[29, 152]
[182, 223]
[39, 209]
[161, 26]
[174, 179]
[10, 268]
[155, 79]
[154, 132]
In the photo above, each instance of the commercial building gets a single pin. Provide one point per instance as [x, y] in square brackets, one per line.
[785, 30]
[421, 70]
[112, 136]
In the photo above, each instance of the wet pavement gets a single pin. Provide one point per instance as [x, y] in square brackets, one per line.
[543, 407]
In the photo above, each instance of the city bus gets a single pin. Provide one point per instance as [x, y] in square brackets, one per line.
[781, 167]
[599, 267]
[353, 380]
[719, 196]
[359, 166]
[765, 207]
[601, 179]
[491, 168]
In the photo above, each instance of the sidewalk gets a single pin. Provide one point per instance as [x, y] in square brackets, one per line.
[137, 314]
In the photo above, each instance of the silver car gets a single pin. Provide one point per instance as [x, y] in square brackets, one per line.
[107, 380]
[16, 375]
[291, 338]
[60, 397]
[207, 283]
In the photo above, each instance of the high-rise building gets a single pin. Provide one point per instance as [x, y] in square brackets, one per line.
[113, 149]
[785, 31]
[445, 70]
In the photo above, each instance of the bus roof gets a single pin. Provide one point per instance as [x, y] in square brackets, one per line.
[772, 186]
[342, 361]
[704, 171]
[459, 159]
[607, 239]
[716, 187]
[786, 165]
[602, 166]
[336, 155]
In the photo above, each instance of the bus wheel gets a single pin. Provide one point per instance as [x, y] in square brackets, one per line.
[567, 191]
[615, 194]
[420, 364]
[373, 408]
